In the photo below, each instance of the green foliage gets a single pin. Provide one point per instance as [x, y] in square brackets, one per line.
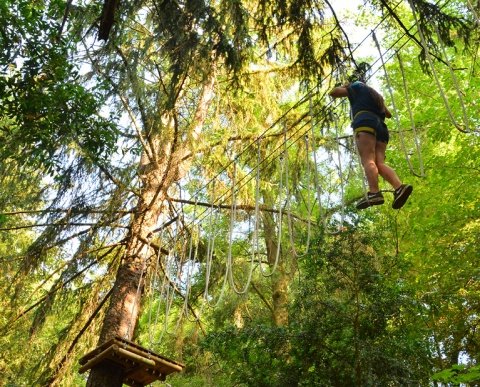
[389, 300]
[458, 374]
[44, 107]
[256, 355]
[348, 325]
[351, 313]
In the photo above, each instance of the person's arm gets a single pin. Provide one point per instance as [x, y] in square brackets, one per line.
[387, 112]
[338, 92]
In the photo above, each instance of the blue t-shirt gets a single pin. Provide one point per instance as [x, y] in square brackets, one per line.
[362, 100]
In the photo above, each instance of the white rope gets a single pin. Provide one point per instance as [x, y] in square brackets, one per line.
[340, 172]
[454, 79]
[474, 11]
[434, 72]
[318, 189]
[255, 243]
[166, 293]
[309, 210]
[395, 110]
[192, 255]
[152, 291]
[233, 212]
[410, 114]
[213, 221]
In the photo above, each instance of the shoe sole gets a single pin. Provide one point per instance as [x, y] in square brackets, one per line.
[369, 204]
[401, 200]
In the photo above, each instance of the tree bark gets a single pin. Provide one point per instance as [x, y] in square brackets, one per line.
[157, 174]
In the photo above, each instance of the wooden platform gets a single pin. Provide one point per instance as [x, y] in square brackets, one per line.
[139, 365]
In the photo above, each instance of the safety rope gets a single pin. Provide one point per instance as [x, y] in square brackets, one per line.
[233, 213]
[395, 110]
[434, 71]
[410, 114]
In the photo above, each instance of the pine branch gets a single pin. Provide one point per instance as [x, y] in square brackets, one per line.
[9, 325]
[79, 335]
[262, 297]
[75, 224]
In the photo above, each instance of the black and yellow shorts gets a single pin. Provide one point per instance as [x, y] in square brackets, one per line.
[368, 122]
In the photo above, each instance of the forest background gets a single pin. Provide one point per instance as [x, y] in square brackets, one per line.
[174, 173]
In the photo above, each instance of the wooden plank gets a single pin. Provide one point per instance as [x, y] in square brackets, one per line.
[96, 360]
[139, 365]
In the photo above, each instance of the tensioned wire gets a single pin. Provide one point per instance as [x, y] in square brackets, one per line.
[300, 102]
[273, 154]
[307, 97]
[219, 200]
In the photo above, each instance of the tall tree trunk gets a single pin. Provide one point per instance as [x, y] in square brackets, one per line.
[158, 172]
[280, 279]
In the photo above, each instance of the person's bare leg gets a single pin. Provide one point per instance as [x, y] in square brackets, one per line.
[383, 169]
[366, 143]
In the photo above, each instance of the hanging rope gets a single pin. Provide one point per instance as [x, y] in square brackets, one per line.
[395, 110]
[139, 287]
[316, 179]
[474, 11]
[213, 221]
[340, 171]
[166, 293]
[255, 244]
[410, 114]
[309, 209]
[454, 79]
[233, 213]
[192, 256]
[434, 71]
[279, 221]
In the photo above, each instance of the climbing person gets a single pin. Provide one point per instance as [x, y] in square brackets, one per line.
[368, 112]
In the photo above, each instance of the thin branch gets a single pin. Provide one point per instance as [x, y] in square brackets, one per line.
[262, 297]
[80, 334]
[62, 224]
[50, 293]
[243, 207]
[337, 22]
[63, 210]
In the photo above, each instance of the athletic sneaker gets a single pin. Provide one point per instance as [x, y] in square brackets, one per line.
[372, 199]
[401, 195]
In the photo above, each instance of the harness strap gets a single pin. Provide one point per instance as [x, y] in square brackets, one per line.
[365, 129]
[364, 111]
